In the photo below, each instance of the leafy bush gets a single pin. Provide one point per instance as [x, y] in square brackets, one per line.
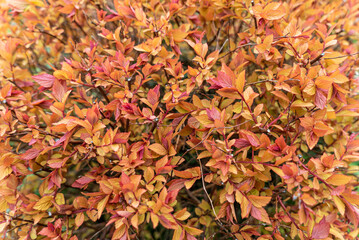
[178, 119]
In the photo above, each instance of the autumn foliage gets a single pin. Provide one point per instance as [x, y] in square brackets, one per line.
[179, 119]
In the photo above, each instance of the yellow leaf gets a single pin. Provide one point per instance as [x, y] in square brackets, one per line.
[309, 200]
[334, 58]
[259, 201]
[244, 203]
[182, 214]
[300, 103]
[37, 3]
[4, 171]
[178, 35]
[44, 203]
[60, 199]
[340, 205]
[339, 78]
[148, 175]
[240, 81]
[192, 231]
[336, 233]
[60, 74]
[177, 235]
[134, 221]
[158, 148]
[339, 179]
[189, 184]
[101, 206]
[347, 113]
[79, 219]
[154, 220]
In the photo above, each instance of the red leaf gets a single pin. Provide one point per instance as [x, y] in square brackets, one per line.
[176, 184]
[321, 230]
[153, 95]
[171, 196]
[320, 99]
[30, 154]
[242, 143]
[213, 114]
[45, 80]
[79, 183]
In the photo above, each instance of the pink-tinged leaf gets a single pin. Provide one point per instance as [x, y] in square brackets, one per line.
[30, 154]
[320, 99]
[124, 214]
[153, 95]
[42, 103]
[321, 230]
[171, 196]
[242, 143]
[224, 80]
[45, 80]
[92, 115]
[81, 182]
[56, 178]
[46, 232]
[352, 213]
[253, 141]
[176, 184]
[122, 138]
[213, 114]
[59, 89]
[57, 163]
[251, 137]
[256, 213]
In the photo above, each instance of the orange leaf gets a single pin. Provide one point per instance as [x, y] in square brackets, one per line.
[158, 148]
[44, 203]
[259, 201]
[339, 179]
[45, 80]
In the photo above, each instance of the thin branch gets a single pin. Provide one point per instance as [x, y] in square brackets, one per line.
[250, 110]
[103, 93]
[51, 35]
[291, 218]
[316, 59]
[205, 190]
[281, 114]
[230, 52]
[99, 231]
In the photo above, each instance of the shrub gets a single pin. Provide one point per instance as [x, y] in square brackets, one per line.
[178, 119]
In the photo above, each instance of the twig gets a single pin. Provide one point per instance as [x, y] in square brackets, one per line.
[13, 78]
[270, 80]
[99, 231]
[250, 110]
[315, 175]
[281, 114]
[190, 194]
[230, 52]
[205, 190]
[51, 35]
[103, 94]
[316, 59]
[291, 218]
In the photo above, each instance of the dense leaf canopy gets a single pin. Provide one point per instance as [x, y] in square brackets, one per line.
[182, 119]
